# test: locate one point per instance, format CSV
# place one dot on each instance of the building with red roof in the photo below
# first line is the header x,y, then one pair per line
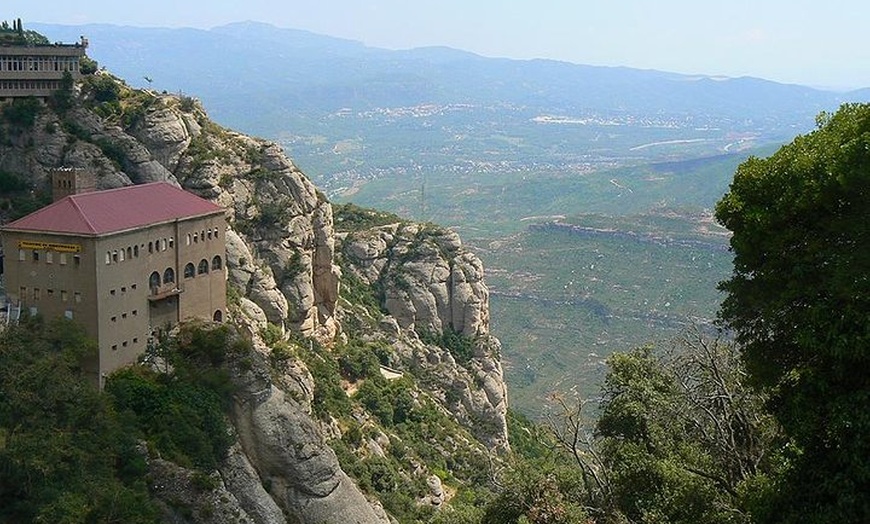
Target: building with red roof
x,y
122,262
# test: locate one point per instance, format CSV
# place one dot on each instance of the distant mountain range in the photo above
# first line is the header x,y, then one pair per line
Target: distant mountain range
x,y
296,75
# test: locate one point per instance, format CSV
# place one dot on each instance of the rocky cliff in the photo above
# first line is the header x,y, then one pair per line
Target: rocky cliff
x,y
416,305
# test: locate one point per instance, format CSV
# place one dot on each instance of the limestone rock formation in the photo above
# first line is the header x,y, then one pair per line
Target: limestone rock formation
x,y
432,287
283,275
288,453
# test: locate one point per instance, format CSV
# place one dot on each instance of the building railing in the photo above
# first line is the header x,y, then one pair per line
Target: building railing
x,y
165,291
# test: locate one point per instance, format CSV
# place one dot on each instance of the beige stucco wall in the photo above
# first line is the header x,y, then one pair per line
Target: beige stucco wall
x,y
108,290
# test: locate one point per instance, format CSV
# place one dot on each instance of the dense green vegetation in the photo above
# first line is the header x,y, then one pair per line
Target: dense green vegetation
x,y
66,453
71,454
798,302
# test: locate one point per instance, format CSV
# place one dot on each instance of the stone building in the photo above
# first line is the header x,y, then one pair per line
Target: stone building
x,y
37,70
122,262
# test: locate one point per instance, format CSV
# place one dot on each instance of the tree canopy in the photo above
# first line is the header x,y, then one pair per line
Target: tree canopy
x,y
798,302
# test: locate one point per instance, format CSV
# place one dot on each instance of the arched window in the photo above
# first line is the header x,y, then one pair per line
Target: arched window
x,y
203,267
168,276
150,247
154,280
189,270
136,251
216,263
218,316
129,252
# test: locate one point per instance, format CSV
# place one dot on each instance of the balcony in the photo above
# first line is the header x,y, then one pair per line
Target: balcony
x,y
164,291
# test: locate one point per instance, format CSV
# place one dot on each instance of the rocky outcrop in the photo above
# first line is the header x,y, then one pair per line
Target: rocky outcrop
x,y
432,287
281,252
428,281
289,455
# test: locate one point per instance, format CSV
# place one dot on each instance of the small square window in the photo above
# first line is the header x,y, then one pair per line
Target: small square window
x,y
114,319
50,292
124,343
132,286
111,291
123,289
123,315
114,347
135,340
135,312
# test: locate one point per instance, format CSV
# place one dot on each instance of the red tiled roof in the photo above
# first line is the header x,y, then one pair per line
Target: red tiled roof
x,y
113,210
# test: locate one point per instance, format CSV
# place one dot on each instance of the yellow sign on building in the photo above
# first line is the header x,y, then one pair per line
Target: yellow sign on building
x,y
50,246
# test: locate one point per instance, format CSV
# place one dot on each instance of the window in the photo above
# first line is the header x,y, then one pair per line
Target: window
x,y
62,259
216,263
114,347
150,247
189,270
163,245
22,255
50,293
218,316
129,252
136,251
77,260
123,289
135,312
124,343
111,291
108,257
115,256
22,293
63,296
114,319
77,296
187,239
154,280
49,257
36,293
123,315
168,276
135,340
195,238
203,267
68,314
208,235
133,286
35,256
171,242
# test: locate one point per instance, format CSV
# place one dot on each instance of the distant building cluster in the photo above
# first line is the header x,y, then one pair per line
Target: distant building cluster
x,y
37,69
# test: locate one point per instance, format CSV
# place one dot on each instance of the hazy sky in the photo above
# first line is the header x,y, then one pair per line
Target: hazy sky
x,y
813,42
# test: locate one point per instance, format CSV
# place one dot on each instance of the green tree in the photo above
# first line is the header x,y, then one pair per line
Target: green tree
x,y
798,300
682,438
65,456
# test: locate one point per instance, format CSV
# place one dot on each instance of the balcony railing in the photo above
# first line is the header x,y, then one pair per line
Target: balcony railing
x,y
164,291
